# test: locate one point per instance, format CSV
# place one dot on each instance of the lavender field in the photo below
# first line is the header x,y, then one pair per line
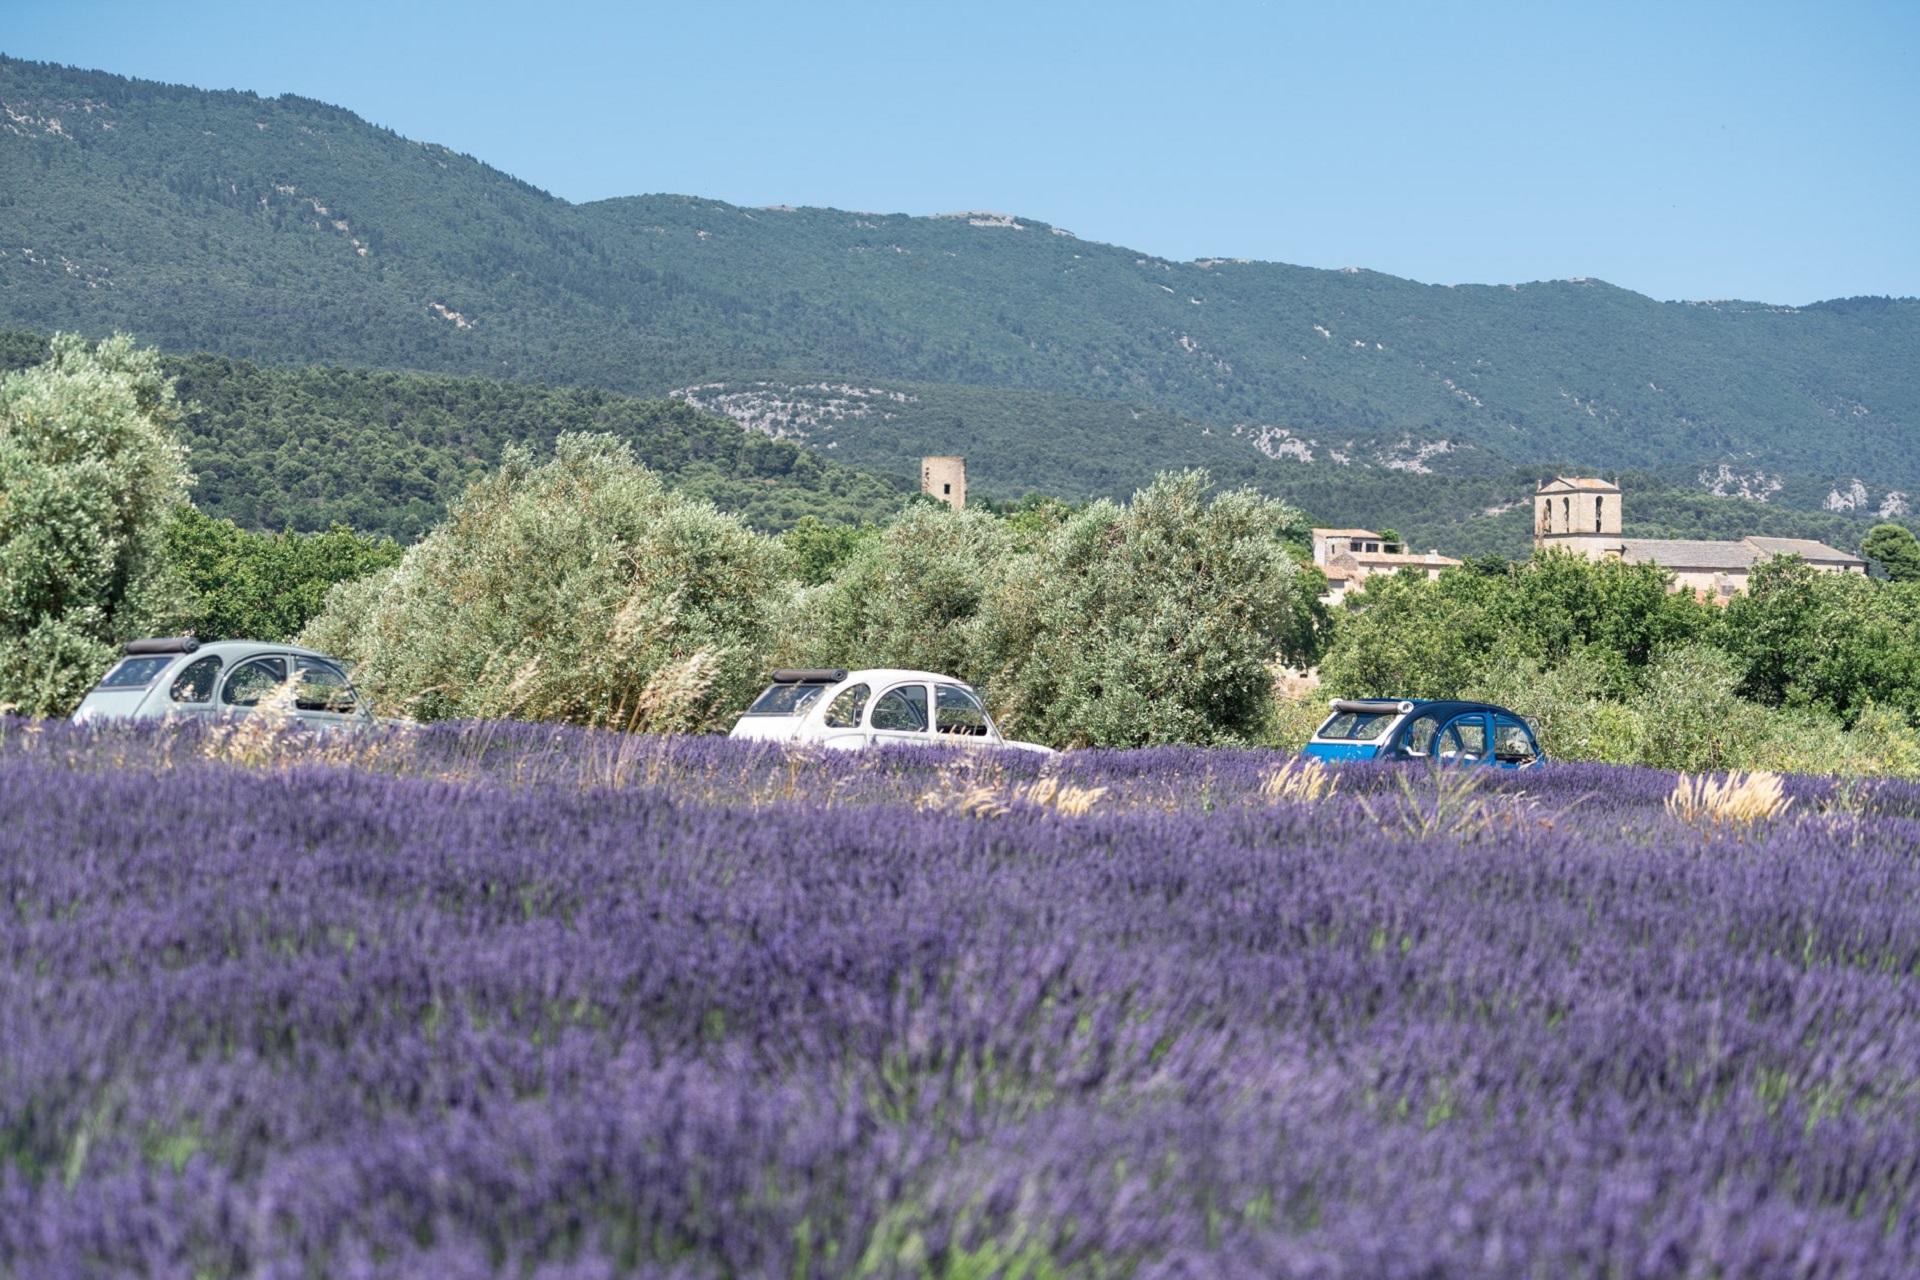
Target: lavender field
x,y
509,1001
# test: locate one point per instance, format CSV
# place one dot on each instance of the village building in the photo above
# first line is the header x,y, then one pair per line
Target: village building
x,y
1348,557
1582,515
945,478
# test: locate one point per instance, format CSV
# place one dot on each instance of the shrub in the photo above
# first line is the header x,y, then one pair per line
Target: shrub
x,y
263,586
911,596
1568,704
89,471
1156,622
579,590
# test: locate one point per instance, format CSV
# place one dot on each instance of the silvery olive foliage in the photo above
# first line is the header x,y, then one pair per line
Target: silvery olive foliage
x,y
580,589
90,471
1158,621
916,595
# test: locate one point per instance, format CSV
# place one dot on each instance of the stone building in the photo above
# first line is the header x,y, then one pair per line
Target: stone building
x,y
1350,556
946,479
1582,515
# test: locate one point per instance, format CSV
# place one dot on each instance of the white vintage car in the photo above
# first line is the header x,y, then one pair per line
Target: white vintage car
x,y
878,707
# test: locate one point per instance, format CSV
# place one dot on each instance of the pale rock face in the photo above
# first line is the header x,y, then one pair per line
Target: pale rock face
x,y
1723,481
792,411
1893,506
1277,442
1852,498
1413,457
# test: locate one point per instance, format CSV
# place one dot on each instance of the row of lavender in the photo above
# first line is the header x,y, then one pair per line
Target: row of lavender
x,y
457,1008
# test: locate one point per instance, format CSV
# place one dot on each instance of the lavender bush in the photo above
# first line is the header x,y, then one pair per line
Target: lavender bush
x,y
511,1000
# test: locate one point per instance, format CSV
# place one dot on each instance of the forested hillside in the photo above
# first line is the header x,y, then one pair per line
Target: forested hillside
x,y
291,232
386,451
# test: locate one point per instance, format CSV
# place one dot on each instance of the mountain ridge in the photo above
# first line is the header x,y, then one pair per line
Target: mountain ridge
x,y
290,231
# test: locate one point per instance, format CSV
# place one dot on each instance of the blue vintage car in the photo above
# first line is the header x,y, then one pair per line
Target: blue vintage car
x,y
1411,729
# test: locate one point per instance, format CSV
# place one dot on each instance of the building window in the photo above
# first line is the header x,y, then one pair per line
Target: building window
x,y
1547,510
1598,503
1566,513
946,489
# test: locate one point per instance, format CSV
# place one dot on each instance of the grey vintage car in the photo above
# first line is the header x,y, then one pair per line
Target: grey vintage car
x,y
179,676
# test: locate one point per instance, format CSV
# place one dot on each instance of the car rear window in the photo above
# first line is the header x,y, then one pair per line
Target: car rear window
x,y
786,699
135,673
1357,726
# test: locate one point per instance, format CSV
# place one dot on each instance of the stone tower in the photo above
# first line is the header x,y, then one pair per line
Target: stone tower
x,y
946,479
1578,514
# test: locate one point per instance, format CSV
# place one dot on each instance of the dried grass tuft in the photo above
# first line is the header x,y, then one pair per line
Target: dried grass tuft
x,y
1737,800
966,796
1302,780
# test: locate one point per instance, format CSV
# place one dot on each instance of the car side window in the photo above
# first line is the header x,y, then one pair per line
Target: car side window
x,y
322,687
1512,744
902,708
958,712
1417,740
254,680
1464,738
195,682
844,711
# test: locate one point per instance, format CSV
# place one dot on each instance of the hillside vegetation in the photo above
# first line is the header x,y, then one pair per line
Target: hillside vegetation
x,y
385,452
288,231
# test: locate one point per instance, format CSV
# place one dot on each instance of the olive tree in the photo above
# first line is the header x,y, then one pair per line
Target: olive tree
x,y
1158,621
90,471
580,589
911,596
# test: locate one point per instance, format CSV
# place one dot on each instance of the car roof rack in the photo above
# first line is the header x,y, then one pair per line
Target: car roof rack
x,y
1402,705
161,644
809,675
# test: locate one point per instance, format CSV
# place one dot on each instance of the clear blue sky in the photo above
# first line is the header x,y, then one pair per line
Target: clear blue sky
x,y
1754,150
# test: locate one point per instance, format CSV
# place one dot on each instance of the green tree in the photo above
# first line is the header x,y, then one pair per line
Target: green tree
x,y
1410,637
911,597
1831,641
1894,548
1405,637
579,590
1160,621
263,586
820,549
89,472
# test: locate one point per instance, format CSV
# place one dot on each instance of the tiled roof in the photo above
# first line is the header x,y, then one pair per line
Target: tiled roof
x,y
1579,482
1689,553
1805,548
1345,533
1395,560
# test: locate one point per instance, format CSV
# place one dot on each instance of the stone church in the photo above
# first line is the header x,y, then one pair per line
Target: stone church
x,y
1582,515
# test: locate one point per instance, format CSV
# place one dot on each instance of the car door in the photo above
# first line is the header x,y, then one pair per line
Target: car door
x,y
842,721
1513,744
323,696
899,716
190,692
959,719
1463,740
250,682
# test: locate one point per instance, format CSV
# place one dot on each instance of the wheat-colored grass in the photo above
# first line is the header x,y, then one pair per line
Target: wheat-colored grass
x,y
968,796
1737,800
1301,779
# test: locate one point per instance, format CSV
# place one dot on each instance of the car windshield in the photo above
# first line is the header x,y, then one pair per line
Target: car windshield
x,y
786,699
135,673
1357,726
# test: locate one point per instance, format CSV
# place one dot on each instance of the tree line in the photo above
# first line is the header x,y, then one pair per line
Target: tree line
x,y
584,586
